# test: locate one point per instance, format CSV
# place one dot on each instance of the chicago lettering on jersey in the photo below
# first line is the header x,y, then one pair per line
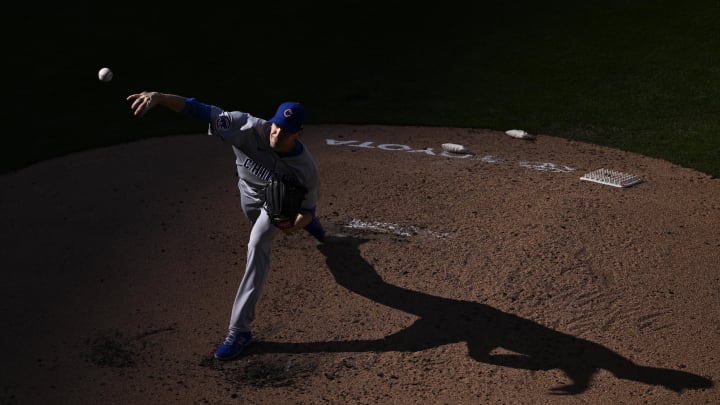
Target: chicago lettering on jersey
x,y
257,169
264,173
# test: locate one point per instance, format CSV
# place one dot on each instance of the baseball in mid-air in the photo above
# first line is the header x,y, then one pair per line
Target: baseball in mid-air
x,y
105,74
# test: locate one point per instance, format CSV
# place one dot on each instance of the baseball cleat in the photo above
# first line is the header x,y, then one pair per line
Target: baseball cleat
x,y
316,229
233,345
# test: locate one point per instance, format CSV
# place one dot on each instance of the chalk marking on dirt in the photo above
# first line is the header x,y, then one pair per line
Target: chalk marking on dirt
x,y
390,228
394,147
546,167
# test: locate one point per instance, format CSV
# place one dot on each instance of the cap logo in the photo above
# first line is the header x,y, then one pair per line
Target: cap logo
x,y
288,113
223,121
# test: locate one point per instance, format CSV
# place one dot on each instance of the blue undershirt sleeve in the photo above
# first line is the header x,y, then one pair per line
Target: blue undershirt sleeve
x,y
196,109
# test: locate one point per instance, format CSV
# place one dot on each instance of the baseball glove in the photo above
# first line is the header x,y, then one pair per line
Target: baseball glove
x,y
282,202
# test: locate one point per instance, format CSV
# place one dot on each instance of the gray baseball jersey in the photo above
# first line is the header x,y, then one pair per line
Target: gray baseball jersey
x,y
256,162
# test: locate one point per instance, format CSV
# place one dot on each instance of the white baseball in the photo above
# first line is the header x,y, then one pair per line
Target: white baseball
x,y
105,74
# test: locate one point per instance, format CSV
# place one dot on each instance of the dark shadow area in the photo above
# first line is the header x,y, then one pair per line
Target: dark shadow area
x,y
484,328
458,64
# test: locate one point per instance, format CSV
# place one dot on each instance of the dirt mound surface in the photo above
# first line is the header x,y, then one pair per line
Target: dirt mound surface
x,y
495,275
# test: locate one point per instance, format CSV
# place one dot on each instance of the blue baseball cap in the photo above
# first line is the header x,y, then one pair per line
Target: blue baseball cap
x,y
290,116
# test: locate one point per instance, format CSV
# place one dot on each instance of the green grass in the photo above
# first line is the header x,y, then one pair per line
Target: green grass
x,y
642,76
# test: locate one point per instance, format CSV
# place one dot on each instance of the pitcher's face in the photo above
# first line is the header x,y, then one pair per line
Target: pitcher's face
x,y
281,140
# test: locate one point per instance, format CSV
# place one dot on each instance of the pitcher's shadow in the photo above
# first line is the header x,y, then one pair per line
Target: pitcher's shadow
x,y
444,321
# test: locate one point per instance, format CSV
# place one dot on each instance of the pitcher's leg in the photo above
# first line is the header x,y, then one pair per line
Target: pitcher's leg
x,y
239,335
256,271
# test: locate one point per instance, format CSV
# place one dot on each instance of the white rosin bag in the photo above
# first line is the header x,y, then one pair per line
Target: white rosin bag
x,y
454,148
519,134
